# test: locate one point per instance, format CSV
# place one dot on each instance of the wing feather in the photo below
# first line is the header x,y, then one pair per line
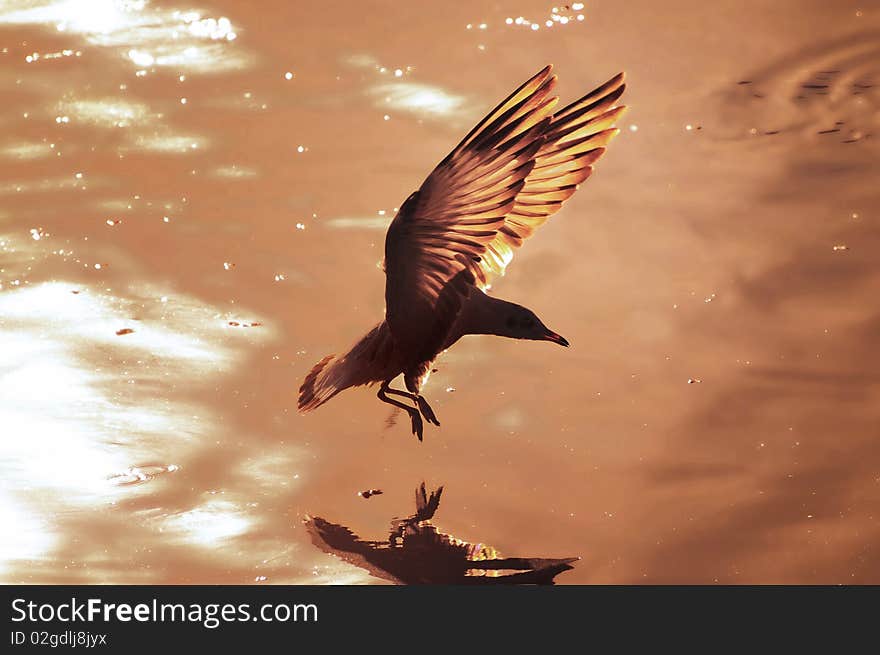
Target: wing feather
x,y
435,245
497,186
574,141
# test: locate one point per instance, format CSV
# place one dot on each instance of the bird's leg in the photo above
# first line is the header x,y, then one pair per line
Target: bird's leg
x,y
417,425
426,410
399,392
424,407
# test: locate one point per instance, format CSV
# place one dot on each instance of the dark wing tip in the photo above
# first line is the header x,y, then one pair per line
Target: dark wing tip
x,y
535,80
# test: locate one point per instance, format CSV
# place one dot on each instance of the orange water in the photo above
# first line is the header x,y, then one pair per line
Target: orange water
x,y
730,237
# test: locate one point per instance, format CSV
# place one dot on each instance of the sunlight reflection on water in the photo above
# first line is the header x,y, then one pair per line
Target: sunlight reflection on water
x,y
144,35
395,91
26,150
417,98
106,112
74,421
210,523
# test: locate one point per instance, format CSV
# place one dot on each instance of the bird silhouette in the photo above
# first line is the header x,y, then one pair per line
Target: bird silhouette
x,y
459,231
416,552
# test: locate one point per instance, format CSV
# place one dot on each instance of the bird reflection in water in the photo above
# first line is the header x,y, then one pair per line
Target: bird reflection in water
x,y
417,553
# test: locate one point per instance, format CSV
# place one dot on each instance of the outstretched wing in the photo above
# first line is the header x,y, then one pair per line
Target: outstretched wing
x,y
574,140
435,245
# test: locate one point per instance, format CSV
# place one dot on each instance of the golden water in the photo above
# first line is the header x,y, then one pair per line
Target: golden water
x,y
217,180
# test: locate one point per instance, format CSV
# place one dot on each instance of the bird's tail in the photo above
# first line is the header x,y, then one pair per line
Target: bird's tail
x,y
322,383
360,365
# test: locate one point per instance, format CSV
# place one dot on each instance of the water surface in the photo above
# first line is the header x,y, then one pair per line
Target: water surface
x,y
192,211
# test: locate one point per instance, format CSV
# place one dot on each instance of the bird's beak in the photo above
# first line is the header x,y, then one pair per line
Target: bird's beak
x,y
556,338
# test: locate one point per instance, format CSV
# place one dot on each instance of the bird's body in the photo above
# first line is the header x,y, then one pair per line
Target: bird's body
x,y
460,229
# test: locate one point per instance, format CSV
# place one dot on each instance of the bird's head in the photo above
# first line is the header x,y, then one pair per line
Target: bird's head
x,y
522,323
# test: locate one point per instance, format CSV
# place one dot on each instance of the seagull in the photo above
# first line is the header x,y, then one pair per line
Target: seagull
x,y
459,231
